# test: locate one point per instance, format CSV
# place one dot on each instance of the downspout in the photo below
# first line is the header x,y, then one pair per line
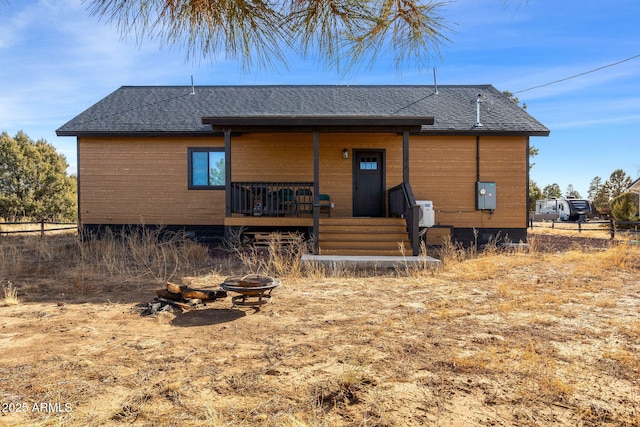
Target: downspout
x,y
78,185
405,156
477,158
527,184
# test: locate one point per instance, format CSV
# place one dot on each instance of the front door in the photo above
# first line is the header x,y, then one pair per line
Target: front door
x,y
368,183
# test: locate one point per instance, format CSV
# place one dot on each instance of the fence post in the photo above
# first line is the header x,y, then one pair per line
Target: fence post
x,y
579,227
612,229
553,224
42,228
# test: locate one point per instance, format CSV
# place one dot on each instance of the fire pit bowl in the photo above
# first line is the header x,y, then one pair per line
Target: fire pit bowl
x,y
255,290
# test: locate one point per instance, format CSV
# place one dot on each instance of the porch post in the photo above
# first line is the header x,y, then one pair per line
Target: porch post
x,y
405,156
316,187
413,213
227,171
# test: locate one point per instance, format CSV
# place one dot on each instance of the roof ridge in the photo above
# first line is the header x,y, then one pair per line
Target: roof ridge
x,y
479,85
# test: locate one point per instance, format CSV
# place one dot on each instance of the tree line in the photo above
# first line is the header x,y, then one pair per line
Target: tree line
x,y
34,184
608,198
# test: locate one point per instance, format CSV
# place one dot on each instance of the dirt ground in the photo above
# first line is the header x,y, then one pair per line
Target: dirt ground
x,y
547,337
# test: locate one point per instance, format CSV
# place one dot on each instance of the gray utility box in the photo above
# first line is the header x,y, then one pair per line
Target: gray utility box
x,y
485,195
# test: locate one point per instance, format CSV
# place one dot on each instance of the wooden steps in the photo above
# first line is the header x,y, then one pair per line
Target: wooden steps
x,y
364,237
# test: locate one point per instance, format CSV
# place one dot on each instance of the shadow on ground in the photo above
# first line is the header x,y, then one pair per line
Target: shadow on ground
x,y
207,317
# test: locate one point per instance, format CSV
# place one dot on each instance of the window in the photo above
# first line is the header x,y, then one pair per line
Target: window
x,y
206,168
368,163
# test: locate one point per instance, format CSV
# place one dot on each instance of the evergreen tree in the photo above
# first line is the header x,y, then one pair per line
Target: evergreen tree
x,y
552,191
624,208
343,32
535,193
572,192
619,181
601,200
594,187
33,181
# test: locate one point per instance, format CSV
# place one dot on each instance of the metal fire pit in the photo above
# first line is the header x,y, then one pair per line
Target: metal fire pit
x,y
254,290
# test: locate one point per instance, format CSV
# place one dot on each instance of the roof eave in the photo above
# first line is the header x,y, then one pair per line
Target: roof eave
x,y
634,186
147,133
238,129
480,131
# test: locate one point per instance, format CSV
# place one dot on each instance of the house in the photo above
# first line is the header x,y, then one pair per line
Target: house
x,y
634,187
356,167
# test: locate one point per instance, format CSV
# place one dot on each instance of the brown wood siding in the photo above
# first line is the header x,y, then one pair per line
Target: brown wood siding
x,y
336,173
144,181
444,170
289,157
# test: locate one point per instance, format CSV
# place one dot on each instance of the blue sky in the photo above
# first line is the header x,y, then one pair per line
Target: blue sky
x,y
56,60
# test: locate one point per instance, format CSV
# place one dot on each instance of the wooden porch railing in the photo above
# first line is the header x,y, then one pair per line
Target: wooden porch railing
x,y
402,203
272,198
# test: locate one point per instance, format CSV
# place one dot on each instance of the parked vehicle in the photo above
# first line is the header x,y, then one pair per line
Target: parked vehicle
x,y
568,209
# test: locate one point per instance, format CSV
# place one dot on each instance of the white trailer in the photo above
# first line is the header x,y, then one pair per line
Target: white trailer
x,y
568,209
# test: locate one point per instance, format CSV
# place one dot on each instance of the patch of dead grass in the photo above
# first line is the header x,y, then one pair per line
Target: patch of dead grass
x,y
497,337
10,294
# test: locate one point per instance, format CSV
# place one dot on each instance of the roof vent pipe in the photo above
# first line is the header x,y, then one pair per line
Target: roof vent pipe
x,y
478,101
193,88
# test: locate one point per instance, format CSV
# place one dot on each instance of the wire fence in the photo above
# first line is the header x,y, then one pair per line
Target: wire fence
x,y
41,227
612,226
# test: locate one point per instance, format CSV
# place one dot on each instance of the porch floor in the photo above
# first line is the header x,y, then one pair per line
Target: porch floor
x,y
373,261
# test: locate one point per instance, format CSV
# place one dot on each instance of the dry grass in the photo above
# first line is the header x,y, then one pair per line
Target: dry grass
x,y
520,337
10,294
34,229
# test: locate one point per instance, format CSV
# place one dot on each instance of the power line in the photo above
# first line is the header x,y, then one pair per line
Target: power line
x,y
578,75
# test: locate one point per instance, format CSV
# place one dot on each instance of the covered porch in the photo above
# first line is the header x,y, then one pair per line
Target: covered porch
x,y
261,208
300,204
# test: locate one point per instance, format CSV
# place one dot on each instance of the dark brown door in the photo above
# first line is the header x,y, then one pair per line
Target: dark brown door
x,y
368,183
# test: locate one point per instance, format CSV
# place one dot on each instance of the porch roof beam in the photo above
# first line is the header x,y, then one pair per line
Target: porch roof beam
x,y
395,124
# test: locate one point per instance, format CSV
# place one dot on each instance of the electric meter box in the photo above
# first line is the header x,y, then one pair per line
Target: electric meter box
x,y
485,195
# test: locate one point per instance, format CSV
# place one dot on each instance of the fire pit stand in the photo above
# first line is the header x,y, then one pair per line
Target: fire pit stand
x,y
254,290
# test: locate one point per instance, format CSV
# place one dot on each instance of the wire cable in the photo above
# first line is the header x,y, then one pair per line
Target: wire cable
x,y
578,75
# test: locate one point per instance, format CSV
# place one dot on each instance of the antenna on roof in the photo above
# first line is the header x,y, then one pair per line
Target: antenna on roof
x,y
435,80
193,88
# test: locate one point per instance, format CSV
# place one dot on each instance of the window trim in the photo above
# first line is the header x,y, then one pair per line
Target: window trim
x,y
190,151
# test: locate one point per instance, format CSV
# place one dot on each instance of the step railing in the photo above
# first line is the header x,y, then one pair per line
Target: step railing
x,y
403,204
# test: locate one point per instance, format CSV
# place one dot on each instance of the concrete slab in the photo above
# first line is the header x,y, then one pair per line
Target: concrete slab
x,y
372,261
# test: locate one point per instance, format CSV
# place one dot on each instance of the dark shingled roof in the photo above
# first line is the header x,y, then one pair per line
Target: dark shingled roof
x,y
143,110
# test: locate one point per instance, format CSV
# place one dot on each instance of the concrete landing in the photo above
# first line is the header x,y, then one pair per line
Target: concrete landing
x,y
372,261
